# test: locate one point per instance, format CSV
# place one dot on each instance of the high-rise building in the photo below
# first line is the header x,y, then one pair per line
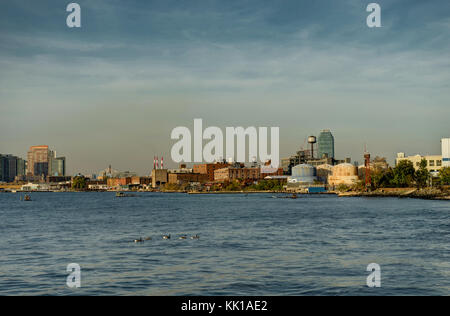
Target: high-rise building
x,y
326,144
21,167
43,162
2,168
58,166
39,161
445,152
10,167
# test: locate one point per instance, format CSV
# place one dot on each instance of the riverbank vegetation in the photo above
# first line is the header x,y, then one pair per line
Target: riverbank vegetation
x,y
232,186
405,176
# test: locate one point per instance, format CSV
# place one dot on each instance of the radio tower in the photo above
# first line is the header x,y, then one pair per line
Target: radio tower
x,y
367,167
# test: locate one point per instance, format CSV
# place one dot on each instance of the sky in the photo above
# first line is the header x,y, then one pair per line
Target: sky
x,y
111,91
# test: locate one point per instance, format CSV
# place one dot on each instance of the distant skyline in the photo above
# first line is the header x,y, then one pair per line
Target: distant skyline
x,y
112,91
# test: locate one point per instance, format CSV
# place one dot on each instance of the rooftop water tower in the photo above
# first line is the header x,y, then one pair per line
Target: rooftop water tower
x,y
312,140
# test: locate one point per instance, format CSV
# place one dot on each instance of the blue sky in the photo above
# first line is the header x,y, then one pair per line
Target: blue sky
x,y
111,92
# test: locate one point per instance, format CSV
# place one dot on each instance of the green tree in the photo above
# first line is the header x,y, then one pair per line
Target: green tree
x,y
266,185
404,174
383,178
422,175
233,186
79,183
444,175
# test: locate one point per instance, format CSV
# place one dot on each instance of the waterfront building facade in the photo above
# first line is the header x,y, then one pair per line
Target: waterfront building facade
x,y
229,174
183,178
159,177
434,162
209,168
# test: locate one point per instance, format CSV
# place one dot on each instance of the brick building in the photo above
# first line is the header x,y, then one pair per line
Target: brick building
x,y
114,182
181,178
209,169
232,173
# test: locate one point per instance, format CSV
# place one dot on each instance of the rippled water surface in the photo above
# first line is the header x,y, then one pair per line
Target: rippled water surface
x,y
249,245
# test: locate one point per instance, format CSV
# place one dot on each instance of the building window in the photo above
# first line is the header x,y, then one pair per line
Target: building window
x,y
431,163
439,163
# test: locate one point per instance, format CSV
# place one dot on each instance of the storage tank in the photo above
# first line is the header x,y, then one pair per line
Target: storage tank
x,y
345,170
303,173
323,172
344,173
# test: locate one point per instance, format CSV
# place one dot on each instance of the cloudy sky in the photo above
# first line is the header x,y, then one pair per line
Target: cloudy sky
x,y
111,91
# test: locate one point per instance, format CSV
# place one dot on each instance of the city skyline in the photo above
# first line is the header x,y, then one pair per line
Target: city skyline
x,y
60,162
111,91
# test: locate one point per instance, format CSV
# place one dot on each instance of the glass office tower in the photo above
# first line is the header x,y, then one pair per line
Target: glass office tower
x,y
326,144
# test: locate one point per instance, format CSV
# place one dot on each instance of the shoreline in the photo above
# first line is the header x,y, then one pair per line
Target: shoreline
x,y
395,193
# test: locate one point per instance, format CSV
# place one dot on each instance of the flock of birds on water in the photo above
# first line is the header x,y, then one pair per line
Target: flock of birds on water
x,y
166,237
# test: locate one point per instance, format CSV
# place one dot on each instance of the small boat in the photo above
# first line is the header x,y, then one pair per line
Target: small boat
x,y
293,196
195,237
121,194
166,237
27,198
182,237
139,240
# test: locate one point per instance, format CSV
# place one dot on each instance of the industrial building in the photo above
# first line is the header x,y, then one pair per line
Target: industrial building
x,y
237,173
303,174
325,153
183,178
344,174
209,169
323,172
445,143
159,177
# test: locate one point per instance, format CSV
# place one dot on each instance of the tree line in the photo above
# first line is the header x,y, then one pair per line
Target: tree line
x,y
404,175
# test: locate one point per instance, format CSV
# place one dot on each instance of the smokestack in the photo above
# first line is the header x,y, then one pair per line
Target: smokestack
x,y
157,163
162,162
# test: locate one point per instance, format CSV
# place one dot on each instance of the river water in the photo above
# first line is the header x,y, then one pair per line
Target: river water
x,y
249,245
